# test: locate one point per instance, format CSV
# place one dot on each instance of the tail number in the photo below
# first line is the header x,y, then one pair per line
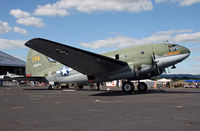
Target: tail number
x,y
35,58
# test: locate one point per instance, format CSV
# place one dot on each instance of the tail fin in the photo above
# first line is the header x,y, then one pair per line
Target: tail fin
x,y
36,63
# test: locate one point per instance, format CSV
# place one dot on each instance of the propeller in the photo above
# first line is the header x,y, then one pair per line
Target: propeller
x,y
154,62
165,71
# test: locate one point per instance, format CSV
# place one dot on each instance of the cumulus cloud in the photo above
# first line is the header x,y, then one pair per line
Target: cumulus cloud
x,y
170,32
31,21
64,7
122,41
26,18
159,1
174,36
187,2
50,10
117,41
188,38
10,44
180,2
4,27
19,13
20,30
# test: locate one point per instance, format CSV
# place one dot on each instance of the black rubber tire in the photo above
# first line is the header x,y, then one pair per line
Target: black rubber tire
x,y
80,86
128,87
142,87
50,87
67,87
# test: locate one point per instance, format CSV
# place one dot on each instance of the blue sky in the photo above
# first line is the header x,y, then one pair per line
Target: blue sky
x,y
102,25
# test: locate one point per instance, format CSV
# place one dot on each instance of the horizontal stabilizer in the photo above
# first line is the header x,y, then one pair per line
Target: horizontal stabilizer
x,y
39,79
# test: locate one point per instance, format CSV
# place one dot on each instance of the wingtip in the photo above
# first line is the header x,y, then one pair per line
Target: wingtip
x,y
30,42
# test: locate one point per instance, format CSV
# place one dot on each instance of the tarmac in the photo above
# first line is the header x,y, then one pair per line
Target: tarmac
x,y
39,109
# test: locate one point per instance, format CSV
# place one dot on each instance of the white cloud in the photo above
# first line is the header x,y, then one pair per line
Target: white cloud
x,y
10,44
25,18
19,13
4,27
50,10
180,2
20,30
159,1
187,2
173,36
117,41
64,7
122,41
174,31
188,38
31,21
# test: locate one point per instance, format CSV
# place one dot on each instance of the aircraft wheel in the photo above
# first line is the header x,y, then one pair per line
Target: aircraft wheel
x,y
142,87
50,87
65,87
80,86
128,87
98,86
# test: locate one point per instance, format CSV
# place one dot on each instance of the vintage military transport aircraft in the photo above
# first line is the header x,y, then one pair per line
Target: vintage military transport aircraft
x,y
77,66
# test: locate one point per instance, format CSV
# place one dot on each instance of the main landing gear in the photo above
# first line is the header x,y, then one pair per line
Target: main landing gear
x,y
58,86
128,87
80,86
142,87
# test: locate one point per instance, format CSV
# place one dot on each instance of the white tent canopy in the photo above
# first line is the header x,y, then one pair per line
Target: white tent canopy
x,y
164,80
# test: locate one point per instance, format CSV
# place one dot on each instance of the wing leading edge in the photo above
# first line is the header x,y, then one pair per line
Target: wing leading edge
x,y
83,61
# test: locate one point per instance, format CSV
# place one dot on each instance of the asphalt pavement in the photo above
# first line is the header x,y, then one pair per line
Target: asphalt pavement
x,y
39,109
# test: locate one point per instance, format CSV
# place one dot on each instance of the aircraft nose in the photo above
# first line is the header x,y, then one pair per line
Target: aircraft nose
x,y
185,50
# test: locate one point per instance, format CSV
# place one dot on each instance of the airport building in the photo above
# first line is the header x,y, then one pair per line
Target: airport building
x,y
10,64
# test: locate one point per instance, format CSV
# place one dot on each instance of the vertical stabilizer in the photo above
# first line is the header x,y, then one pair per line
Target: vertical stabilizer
x,y
36,63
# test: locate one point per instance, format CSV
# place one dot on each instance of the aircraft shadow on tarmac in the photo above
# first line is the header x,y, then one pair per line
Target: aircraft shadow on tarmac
x,y
120,93
39,89
150,91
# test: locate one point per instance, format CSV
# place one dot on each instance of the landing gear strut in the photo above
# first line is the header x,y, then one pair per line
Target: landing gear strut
x,y
127,87
50,87
98,86
65,86
80,86
142,87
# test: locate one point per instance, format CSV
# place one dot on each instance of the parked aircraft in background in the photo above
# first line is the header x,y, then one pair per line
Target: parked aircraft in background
x,y
9,76
79,66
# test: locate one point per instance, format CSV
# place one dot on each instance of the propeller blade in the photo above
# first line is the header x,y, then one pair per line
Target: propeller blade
x,y
154,62
165,71
153,56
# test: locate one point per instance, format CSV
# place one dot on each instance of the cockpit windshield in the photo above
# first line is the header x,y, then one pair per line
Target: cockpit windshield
x,y
173,47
